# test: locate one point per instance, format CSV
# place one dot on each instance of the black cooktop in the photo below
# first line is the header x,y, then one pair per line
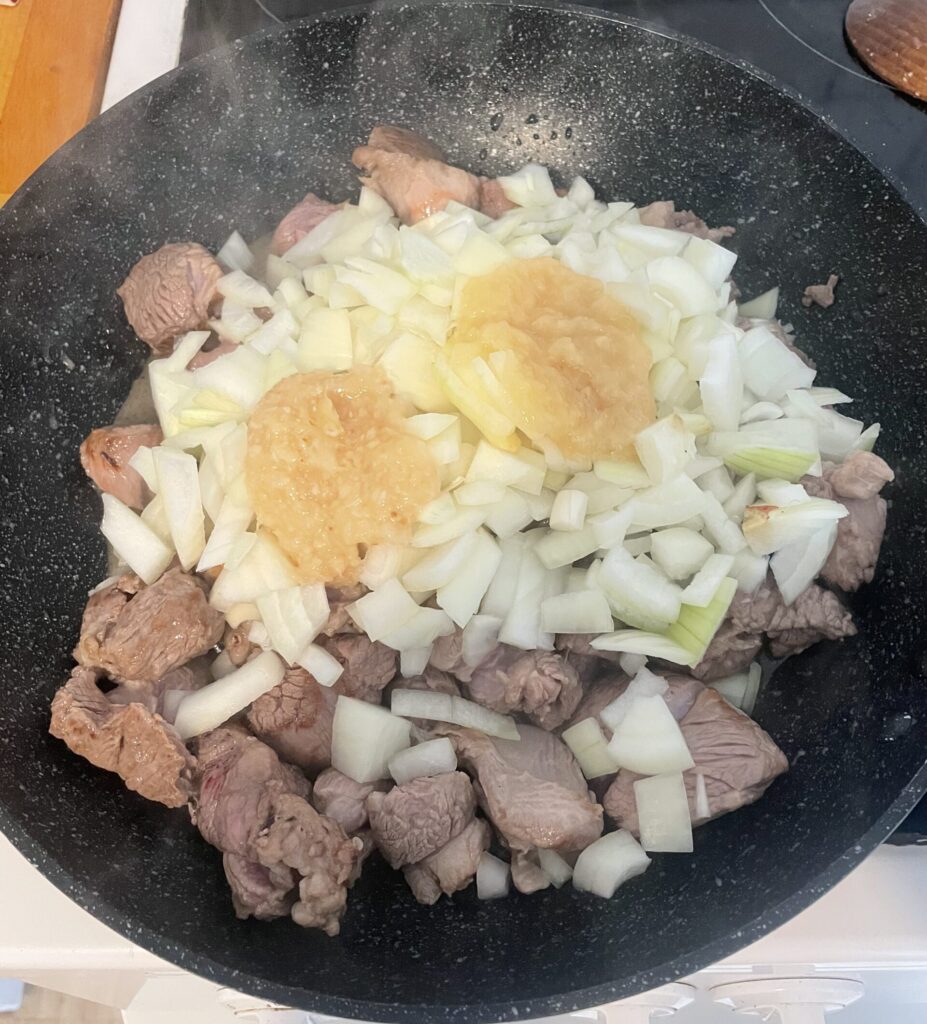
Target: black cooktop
x,y
800,43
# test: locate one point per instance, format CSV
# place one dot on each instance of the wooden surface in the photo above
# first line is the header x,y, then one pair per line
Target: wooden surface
x,y
890,37
53,60
40,1006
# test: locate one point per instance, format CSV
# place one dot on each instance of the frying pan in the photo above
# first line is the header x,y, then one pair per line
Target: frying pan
x,y
231,140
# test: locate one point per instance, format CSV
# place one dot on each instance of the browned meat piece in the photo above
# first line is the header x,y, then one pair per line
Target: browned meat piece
x,y
532,789
737,759
251,805
187,678
754,613
317,848
168,292
493,201
527,876
411,175
597,696
579,652
141,637
295,720
731,650
539,684
344,800
821,294
447,656
368,666
412,821
257,891
128,739
105,456
856,484
205,356
451,868
307,214
815,615
432,679
663,214
236,644
338,619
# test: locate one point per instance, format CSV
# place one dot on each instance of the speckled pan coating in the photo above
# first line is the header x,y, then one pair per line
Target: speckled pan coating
x,y
230,141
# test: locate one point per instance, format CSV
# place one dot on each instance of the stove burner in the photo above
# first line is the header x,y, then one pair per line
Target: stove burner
x,y
818,29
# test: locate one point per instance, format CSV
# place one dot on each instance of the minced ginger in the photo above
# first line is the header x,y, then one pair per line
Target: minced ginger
x,y
330,470
573,368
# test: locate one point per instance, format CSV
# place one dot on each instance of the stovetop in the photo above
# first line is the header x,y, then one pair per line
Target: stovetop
x,y
800,43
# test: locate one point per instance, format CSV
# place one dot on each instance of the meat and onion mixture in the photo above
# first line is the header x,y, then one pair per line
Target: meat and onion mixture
x,y
465,516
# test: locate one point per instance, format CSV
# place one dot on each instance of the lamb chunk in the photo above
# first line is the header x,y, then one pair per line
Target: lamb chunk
x,y
339,621
417,819
737,759
409,172
539,684
597,696
447,656
431,679
821,294
187,678
169,292
213,349
237,645
317,848
105,455
344,800
532,789
142,633
368,666
527,875
577,650
815,615
295,720
451,868
731,650
307,214
493,201
257,891
663,214
128,739
856,485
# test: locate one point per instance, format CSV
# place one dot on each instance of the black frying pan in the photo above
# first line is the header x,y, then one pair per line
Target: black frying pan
x,y
232,140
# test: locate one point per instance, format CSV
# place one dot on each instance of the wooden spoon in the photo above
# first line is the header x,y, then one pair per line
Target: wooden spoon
x,y
890,37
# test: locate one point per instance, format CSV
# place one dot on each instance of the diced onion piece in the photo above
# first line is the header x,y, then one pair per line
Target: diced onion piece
x,y
785,448
433,757
554,866
439,510
608,863
490,463
568,511
480,492
365,738
240,288
725,533
463,521
521,625
769,528
754,678
440,565
293,618
325,669
732,688
681,284
492,878
641,642
235,253
442,707
239,613
530,186
509,515
638,594
669,503
744,494
480,638
217,702
631,664
134,542
582,611
770,367
837,434
179,489
781,492
749,570
325,341
231,523
703,588
711,260
501,592
797,565
696,626
460,597
609,528
644,684
558,549
663,814
413,661
221,666
383,610
381,563
721,385
679,552
702,805
589,747
648,739
420,630
624,474
761,411
664,448
263,568
762,307
540,505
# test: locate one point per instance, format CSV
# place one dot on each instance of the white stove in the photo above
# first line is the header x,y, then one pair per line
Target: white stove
x,y
859,953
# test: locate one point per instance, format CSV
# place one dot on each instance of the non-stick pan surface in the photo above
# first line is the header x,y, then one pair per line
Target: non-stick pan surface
x,y
232,140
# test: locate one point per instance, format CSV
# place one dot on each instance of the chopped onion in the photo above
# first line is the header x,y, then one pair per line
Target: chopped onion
x,y
679,552
608,863
326,341
762,307
460,597
665,448
238,377
325,669
142,550
770,367
631,664
492,878
590,748
648,739
509,515
837,434
554,866
644,684
240,288
440,565
490,463
867,439
681,284
761,411
365,738
711,260
217,702
464,521
663,814
221,666
781,492
530,186
609,528
702,806
582,611
424,760
420,630
439,510
697,624
501,592
641,642
381,563
263,568
409,363
179,489
383,610
568,511
637,593
521,625
442,707
721,385
293,618
785,448
624,474
541,505
744,494
480,492
233,520
725,533
559,548
669,503
769,528
413,661
797,565
235,253
749,570
480,638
